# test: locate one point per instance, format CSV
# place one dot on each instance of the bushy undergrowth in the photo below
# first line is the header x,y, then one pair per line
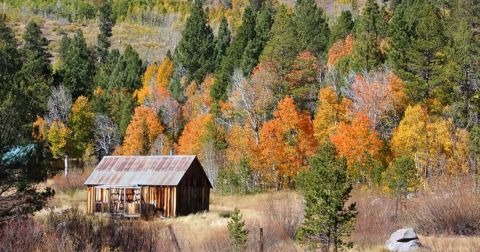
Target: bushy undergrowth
x,y
375,219
76,232
71,182
452,211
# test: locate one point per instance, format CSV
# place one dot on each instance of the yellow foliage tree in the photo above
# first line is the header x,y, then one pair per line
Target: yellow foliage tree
x,y
81,123
458,163
198,98
148,82
435,145
164,73
241,145
39,129
330,111
57,137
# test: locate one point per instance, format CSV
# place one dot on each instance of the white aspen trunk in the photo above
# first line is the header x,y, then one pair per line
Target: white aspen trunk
x,y
66,165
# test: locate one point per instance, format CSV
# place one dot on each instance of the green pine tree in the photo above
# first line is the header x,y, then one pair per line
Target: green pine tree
x,y
9,65
417,49
254,48
342,27
311,27
78,68
236,231
256,5
403,177
195,52
104,70
128,71
63,47
222,41
369,32
36,56
328,217
234,55
106,24
35,76
462,69
283,45
475,150
9,56
175,86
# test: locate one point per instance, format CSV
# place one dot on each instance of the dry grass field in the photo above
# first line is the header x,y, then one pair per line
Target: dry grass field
x,y
278,213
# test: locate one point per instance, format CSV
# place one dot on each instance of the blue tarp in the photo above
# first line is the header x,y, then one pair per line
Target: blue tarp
x,y
19,155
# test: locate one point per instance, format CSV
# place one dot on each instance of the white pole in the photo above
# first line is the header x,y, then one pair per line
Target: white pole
x,y
4,7
66,165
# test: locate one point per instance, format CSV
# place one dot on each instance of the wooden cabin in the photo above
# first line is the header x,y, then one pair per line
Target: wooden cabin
x,y
134,186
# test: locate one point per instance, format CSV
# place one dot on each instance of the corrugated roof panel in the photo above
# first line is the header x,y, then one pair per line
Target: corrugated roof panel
x,y
140,170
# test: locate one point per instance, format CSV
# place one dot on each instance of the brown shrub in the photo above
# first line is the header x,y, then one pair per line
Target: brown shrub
x,y
82,232
286,210
21,234
375,220
73,181
452,211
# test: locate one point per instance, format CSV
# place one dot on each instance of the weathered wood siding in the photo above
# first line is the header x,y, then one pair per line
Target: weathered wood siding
x,y
193,191
190,196
161,198
90,201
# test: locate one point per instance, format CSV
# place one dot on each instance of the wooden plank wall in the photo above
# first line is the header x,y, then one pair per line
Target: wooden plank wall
x,y
90,201
193,191
163,198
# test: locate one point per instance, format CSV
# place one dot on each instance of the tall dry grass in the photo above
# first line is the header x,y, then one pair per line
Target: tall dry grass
x,y
449,207
376,218
446,210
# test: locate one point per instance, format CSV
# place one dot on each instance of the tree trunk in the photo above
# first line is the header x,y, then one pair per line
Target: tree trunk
x,y
66,165
475,181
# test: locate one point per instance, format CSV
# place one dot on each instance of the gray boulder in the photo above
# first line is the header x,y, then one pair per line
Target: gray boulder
x,y
402,240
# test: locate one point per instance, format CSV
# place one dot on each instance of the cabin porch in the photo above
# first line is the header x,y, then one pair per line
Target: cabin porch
x,y
132,201
117,200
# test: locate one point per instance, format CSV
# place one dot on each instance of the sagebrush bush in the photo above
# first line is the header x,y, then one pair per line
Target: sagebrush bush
x,y
286,211
447,213
72,181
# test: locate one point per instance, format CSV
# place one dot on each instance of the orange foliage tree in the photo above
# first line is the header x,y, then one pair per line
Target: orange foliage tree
x,y
340,49
143,130
331,110
194,135
359,145
285,143
155,83
198,98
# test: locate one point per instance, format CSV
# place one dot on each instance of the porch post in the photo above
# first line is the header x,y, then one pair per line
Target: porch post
x,y
94,199
124,200
141,200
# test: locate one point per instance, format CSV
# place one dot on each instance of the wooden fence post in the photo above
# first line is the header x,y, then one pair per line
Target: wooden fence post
x,y
260,242
173,238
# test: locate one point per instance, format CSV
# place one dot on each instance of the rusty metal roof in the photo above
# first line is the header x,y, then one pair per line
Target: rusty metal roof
x,y
140,170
